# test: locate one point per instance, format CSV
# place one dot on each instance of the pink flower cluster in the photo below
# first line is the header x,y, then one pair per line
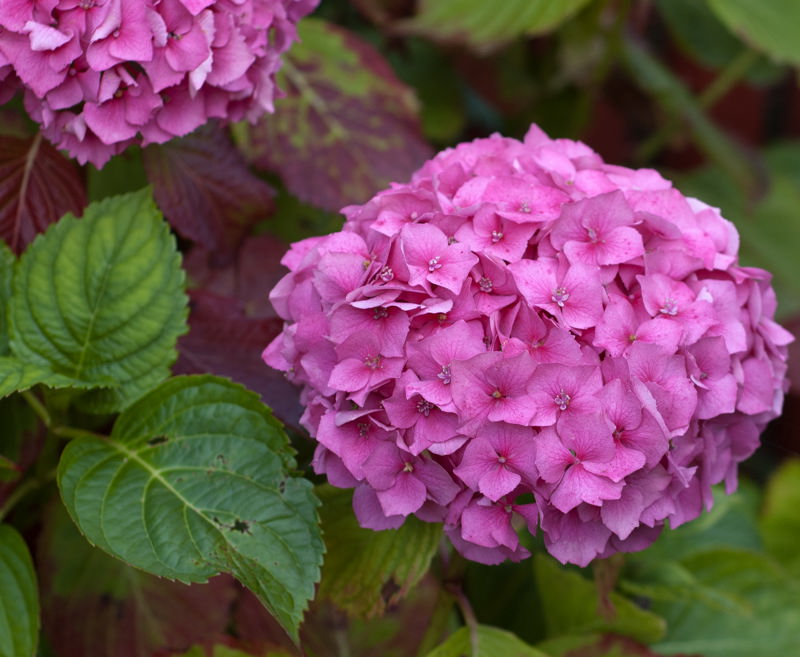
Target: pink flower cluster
x,y
100,75
524,335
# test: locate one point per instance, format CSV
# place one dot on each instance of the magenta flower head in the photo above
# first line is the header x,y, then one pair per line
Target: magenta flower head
x,y
99,75
525,336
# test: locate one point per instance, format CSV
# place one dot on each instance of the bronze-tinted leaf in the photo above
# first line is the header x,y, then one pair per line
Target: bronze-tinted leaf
x,y
37,186
347,126
204,188
222,340
95,605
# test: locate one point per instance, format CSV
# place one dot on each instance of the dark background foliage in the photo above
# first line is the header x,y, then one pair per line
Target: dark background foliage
x,y
705,91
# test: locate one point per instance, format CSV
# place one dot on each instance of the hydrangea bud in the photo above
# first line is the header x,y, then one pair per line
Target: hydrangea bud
x,y
526,336
100,75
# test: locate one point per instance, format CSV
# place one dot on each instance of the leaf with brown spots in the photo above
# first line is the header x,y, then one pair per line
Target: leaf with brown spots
x,y
347,126
38,186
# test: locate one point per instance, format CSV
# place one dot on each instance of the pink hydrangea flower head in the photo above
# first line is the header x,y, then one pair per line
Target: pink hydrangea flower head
x,y
524,338
100,75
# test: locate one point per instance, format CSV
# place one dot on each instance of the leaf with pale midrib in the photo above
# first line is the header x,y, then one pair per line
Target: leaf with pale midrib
x,y
193,481
19,600
100,300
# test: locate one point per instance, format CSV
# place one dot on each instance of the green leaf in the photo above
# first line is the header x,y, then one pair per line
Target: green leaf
x,y
772,27
6,273
93,604
347,126
491,642
765,623
366,570
193,481
16,376
100,300
570,606
485,25
19,600
780,521
699,32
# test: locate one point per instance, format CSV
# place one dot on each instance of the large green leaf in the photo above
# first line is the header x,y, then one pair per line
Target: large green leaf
x,y
489,641
485,25
100,299
6,272
19,600
765,622
772,26
366,570
17,375
193,481
780,521
570,606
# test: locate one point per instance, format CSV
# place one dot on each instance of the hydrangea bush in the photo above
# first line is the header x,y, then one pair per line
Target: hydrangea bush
x,y
525,335
100,75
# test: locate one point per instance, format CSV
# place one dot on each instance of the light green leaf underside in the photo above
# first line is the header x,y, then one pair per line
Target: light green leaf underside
x,y
359,563
6,272
19,600
772,27
193,481
572,607
491,642
484,25
763,620
100,299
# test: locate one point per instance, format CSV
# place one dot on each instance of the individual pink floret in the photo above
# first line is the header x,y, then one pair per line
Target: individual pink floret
x,y
524,338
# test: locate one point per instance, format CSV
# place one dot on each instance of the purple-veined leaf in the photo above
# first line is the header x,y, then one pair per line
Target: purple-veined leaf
x,y
204,188
37,186
224,341
347,125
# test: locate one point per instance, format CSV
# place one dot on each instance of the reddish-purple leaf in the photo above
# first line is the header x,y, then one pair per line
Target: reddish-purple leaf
x,y
248,278
224,341
94,605
347,125
37,186
203,186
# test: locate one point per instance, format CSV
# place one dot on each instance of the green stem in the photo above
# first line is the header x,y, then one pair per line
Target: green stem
x,y
728,77
38,407
720,86
438,623
34,483
468,614
75,432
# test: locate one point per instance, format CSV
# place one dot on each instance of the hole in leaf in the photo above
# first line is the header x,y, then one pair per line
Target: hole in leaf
x,y
389,591
241,526
157,440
